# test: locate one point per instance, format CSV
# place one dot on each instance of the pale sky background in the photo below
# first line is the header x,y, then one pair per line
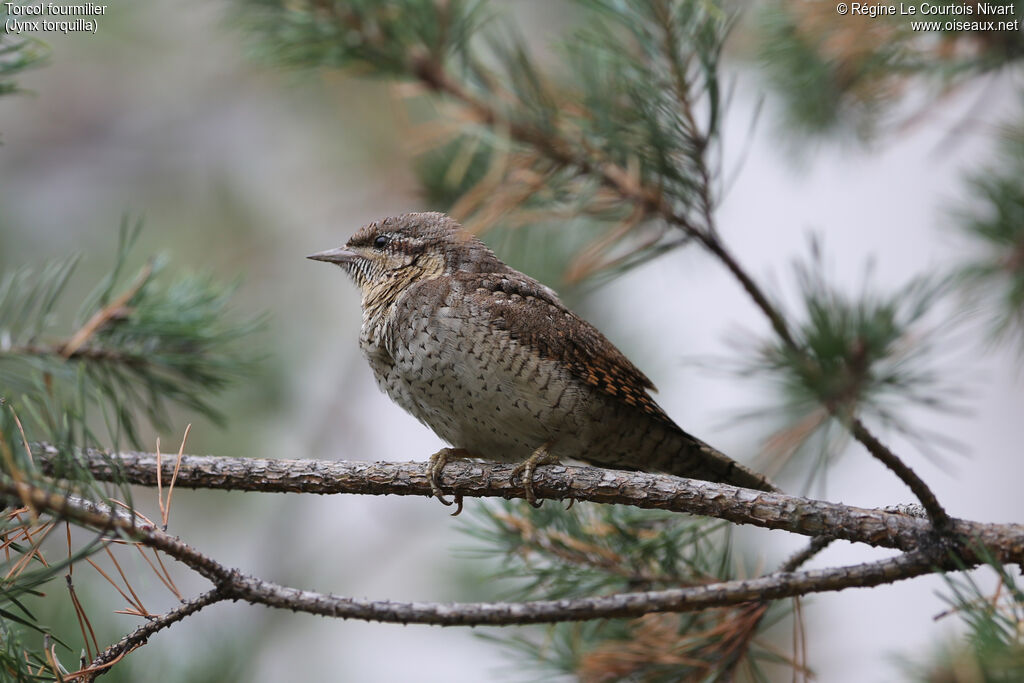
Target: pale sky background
x,y
243,170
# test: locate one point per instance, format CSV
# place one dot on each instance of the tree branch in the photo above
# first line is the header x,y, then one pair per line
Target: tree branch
x,y
234,585
555,482
101,664
940,518
628,605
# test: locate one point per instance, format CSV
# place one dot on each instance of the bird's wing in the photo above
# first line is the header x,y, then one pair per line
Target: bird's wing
x,y
533,315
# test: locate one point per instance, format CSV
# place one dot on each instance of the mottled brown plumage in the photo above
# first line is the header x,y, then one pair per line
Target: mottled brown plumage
x,y
497,366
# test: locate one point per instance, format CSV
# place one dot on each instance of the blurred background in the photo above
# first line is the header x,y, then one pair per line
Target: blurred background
x,y
241,169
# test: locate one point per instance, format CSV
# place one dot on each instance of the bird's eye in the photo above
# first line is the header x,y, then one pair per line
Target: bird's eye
x,y
381,242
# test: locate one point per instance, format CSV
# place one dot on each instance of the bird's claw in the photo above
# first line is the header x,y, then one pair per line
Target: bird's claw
x,y
541,456
434,468
458,505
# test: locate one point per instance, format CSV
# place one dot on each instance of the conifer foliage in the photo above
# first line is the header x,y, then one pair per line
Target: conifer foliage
x,y
611,146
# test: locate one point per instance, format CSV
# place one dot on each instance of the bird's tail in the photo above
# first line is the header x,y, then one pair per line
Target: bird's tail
x,y
697,460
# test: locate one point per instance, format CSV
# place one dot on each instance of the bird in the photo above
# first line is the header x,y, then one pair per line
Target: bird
x,y
498,367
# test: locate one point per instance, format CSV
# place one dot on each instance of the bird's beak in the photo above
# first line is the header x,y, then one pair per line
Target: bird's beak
x,y
341,255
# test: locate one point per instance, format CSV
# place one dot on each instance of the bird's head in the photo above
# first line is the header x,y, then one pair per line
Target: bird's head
x,y
391,254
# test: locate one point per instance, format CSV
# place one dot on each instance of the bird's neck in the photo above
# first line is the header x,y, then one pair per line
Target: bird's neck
x,y
378,304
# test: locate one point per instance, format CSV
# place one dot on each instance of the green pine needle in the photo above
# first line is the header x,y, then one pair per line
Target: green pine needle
x,y
138,347
993,223
992,650
18,53
551,553
868,355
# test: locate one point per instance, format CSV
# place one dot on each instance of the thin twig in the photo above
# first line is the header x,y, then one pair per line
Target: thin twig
x,y
817,544
689,599
90,673
940,518
140,636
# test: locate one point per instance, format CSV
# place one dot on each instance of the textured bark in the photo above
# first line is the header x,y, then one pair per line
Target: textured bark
x,y
690,599
141,635
234,585
559,482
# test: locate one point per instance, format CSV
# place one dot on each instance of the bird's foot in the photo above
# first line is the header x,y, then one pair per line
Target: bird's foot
x,y
434,468
541,456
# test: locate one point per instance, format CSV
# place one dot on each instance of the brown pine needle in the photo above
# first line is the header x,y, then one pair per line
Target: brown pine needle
x,y
138,514
105,314
71,566
998,593
8,456
21,564
800,669
109,580
159,480
164,580
89,670
174,477
24,439
83,620
174,587
37,552
11,537
51,658
128,585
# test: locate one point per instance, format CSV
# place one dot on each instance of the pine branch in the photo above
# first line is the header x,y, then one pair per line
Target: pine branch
x,y
553,145
797,559
18,53
694,598
991,275
837,75
936,512
234,585
114,309
140,636
758,612
135,349
804,516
